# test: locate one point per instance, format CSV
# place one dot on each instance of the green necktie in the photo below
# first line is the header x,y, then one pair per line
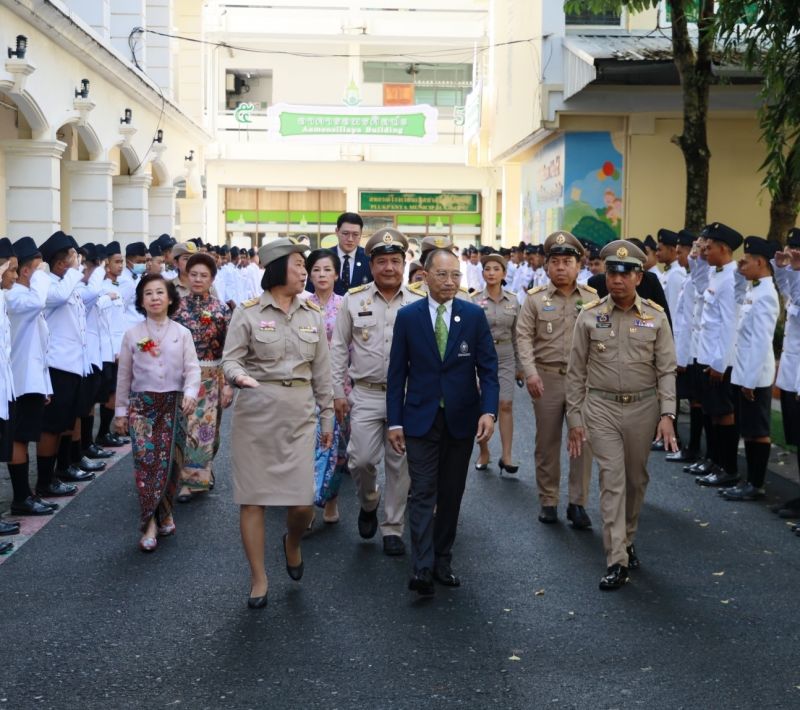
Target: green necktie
x,y
440,330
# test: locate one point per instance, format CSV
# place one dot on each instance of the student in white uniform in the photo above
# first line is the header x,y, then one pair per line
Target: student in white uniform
x,y
673,274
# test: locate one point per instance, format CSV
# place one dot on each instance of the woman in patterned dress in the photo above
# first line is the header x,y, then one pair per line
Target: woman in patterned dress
x,y
207,318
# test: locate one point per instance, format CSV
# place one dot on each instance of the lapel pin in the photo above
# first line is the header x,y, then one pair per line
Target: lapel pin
x,y
457,319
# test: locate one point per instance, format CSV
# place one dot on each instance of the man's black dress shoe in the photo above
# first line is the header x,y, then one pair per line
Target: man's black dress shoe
x,y
88,464
682,456
6,547
96,452
548,514
31,506
256,602
57,489
657,445
75,475
47,503
443,573
744,491
717,478
296,572
699,468
393,545
368,523
633,558
8,528
111,440
577,515
422,583
615,578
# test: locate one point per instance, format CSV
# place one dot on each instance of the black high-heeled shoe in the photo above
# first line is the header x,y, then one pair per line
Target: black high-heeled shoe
x,y
257,602
296,572
482,466
511,469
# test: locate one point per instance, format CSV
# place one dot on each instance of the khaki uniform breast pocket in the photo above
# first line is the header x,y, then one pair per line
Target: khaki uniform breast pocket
x,y
364,328
269,344
642,342
548,324
308,343
602,347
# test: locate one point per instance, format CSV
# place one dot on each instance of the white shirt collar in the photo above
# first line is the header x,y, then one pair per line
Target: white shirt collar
x,y
342,253
433,307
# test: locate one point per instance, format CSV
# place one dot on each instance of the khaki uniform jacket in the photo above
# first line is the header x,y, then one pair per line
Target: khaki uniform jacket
x,y
623,352
502,317
362,335
269,345
545,326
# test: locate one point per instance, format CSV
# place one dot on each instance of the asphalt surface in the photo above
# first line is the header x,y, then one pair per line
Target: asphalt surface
x,y
710,620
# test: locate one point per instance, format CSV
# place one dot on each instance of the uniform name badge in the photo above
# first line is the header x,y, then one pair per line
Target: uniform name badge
x,y
463,349
603,321
641,323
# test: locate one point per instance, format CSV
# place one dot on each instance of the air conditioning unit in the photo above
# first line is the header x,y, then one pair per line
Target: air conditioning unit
x,y
230,83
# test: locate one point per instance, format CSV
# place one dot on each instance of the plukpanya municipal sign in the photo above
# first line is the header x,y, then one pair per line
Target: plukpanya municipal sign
x,y
353,124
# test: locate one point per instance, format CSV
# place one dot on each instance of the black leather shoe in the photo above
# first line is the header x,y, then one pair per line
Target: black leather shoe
x,y
296,572
657,445
577,515
422,583
548,514
744,491
633,558
718,478
443,573
682,456
47,503
31,506
368,523
616,577
393,546
57,489
699,468
75,475
110,440
8,528
6,547
256,602
87,464
97,452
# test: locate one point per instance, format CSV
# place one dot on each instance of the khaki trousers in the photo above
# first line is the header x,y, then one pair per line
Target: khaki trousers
x,y
550,410
620,435
368,445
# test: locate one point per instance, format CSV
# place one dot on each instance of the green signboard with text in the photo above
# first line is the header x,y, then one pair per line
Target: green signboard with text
x,y
418,202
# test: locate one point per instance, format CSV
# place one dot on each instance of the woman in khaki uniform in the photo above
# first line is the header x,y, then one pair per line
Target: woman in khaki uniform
x,y
501,308
276,353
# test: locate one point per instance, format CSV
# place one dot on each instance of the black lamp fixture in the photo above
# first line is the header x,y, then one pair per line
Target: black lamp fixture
x,y
22,46
190,156
84,90
159,136
128,116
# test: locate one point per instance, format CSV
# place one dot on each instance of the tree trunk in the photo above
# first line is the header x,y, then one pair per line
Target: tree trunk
x,y
695,73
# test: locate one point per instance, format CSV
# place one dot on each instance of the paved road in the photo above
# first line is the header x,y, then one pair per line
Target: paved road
x,y
710,621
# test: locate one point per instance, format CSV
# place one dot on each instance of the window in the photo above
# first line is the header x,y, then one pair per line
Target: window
x,y
441,85
252,86
606,19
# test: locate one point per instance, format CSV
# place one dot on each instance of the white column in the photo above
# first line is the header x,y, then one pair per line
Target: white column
x,y
90,204
159,57
125,15
512,205
162,211
33,187
488,216
130,218
96,13
191,216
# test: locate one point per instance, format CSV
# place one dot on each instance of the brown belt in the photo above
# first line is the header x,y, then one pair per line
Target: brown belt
x,y
502,342
624,397
560,369
371,385
289,383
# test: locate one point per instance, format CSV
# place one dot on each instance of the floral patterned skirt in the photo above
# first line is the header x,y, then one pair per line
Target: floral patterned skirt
x,y
158,430
203,431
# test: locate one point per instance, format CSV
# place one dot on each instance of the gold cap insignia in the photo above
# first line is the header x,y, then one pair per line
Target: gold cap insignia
x,y
622,252
387,238
293,240
560,239
439,242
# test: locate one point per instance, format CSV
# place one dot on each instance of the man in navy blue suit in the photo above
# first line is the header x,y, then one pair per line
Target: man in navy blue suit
x,y
442,392
355,269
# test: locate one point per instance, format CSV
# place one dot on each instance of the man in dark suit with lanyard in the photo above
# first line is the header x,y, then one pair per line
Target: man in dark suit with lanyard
x,y
355,264
442,391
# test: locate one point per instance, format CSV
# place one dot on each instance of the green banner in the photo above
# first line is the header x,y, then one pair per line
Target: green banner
x,y
410,125
418,202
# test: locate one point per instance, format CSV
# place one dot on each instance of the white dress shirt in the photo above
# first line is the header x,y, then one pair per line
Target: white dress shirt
x,y
672,279
66,317
6,374
788,283
29,337
112,319
754,360
351,265
720,314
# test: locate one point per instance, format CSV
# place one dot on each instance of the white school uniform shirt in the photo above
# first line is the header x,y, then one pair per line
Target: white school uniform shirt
x,y
788,283
113,323
683,323
253,276
30,336
475,277
672,279
66,317
720,314
6,374
90,293
754,360
128,281
584,275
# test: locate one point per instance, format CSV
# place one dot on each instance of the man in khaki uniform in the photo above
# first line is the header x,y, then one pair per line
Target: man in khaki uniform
x,y
621,388
362,337
544,340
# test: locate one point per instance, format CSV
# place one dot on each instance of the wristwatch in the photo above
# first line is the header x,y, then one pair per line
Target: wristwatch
x,y
667,414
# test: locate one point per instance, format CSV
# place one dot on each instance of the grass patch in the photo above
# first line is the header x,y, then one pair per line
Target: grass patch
x,y
777,432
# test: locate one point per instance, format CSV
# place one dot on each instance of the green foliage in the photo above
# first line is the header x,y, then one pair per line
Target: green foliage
x,y
608,5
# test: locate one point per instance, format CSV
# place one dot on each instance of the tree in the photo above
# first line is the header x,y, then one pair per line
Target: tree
x,y
694,68
765,36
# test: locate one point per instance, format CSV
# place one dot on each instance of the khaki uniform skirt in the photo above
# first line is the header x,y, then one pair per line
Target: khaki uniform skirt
x,y
272,445
506,366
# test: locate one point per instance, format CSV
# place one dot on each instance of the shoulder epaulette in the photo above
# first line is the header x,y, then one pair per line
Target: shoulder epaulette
x,y
591,304
589,288
313,306
510,293
250,302
653,304
464,289
357,289
416,287
536,289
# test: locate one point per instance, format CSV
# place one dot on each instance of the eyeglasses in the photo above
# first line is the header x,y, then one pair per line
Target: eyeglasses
x,y
353,235
445,275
